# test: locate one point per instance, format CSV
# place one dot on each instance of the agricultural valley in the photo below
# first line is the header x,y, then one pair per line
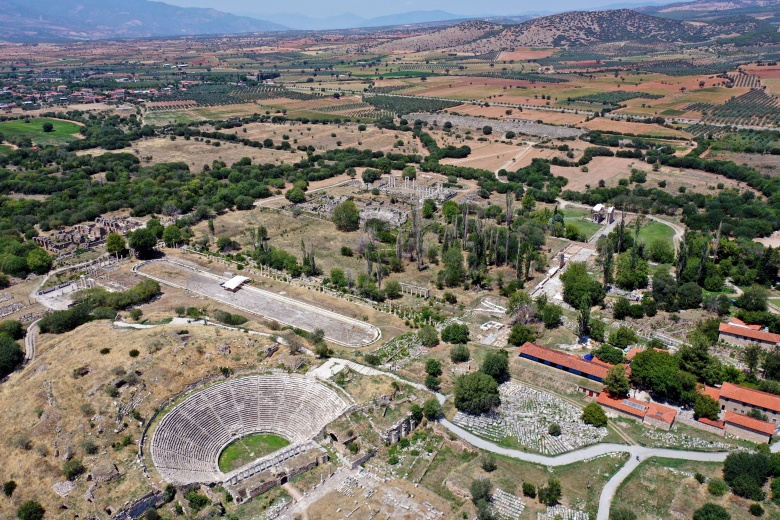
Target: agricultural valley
x,y
521,267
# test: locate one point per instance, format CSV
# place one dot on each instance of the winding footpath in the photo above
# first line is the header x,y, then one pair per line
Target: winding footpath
x,y
638,454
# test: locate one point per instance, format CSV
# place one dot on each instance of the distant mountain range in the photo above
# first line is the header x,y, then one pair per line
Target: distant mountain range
x,y
63,20
47,20
353,21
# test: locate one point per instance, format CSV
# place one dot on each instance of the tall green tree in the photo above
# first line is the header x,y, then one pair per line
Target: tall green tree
x,y
346,216
616,381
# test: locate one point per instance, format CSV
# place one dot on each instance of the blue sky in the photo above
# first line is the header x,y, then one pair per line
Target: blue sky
x,y
372,8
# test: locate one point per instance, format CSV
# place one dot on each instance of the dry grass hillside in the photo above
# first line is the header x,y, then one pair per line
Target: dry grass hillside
x,y
451,36
582,28
62,404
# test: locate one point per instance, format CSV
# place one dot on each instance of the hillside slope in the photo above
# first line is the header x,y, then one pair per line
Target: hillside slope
x,y
587,27
97,19
460,34
709,5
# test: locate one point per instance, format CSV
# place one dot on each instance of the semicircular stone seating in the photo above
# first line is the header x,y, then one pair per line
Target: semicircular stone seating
x,y
186,445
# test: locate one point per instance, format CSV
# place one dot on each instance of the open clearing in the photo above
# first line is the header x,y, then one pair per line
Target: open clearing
x,y
604,124
243,451
33,128
666,489
339,329
652,231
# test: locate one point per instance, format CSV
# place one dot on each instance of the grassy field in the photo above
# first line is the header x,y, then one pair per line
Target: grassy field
x,y
665,488
656,231
4,149
33,128
248,449
580,219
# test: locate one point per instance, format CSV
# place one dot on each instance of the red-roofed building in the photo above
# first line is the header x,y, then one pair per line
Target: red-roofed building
x,y
633,352
740,323
721,425
746,335
566,362
712,392
741,400
651,414
748,428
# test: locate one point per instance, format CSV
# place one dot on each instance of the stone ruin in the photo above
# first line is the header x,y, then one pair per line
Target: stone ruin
x,y
410,188
86,235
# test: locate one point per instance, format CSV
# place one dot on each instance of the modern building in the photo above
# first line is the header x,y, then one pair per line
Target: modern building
x,y
235,283
650,414
566,362
740,399
748,428
737,332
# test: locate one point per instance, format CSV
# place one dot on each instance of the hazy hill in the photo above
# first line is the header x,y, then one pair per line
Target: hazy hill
x,y
586,27
460,34
709,5
353,21
22,20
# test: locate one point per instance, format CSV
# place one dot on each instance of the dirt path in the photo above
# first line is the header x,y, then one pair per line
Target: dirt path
x,y
522,153
297,496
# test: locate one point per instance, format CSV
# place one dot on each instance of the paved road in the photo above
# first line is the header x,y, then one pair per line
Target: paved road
x,y
596,450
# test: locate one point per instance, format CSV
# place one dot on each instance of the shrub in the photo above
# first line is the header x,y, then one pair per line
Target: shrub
x,y
455,333
152,514
529,490
432,383
717,487
488,462
481,490
496,365
9,488
711,512
11,355
594,415
433,367
12,328
459,354
756,510
89,446
72,469
134,353
30,510
554,430
428,336
476,393
622,513
432,410
551,494
196,500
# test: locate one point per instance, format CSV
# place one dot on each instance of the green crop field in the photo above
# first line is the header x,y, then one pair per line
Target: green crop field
x,y
653,231
252,447
33,128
